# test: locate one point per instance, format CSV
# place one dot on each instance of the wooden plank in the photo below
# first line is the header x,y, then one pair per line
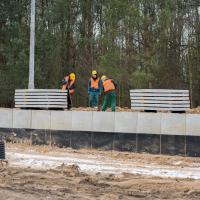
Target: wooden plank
x,y
39,90
159,102
40,103
160,105
157,95
41,97
160,109
161,98
159,91
40,106
45,94
41,100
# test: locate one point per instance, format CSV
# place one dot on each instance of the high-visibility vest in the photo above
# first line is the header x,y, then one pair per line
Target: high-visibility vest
x,y
108,85
94,83
69,84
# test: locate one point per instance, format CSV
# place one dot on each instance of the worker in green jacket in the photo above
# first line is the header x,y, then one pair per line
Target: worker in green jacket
x,y
109,88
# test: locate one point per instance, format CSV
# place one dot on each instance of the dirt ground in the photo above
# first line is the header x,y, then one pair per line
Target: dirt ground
x,y
71,182
125,109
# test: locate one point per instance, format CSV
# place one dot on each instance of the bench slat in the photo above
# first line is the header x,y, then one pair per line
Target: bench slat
x,y
40,103
157,95
160,102
45,94
160,105
158,91
161,98
39,90
160,109
41,100
41,106
41,97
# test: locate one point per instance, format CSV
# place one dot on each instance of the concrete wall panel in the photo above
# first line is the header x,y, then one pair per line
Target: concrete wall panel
x,y
6,118
82,121
40,119
103,121
173,124
22,118
61,120
126,122
149,123
193,124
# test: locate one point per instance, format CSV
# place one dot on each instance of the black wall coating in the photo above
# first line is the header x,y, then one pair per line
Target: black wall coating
x,y
2,150
130,142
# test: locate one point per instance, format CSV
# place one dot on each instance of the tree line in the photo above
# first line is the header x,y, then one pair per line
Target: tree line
x,y
139,43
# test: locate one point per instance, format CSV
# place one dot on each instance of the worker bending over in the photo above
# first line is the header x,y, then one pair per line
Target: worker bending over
x,y
69,85
109,87
94,89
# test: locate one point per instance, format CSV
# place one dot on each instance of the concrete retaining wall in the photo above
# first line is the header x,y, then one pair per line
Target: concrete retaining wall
x,y
164,133
119,122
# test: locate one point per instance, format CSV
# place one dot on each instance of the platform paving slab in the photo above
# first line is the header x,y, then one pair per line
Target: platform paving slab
x,y
149,123
193,124
41,119
22,118
6,118
103,122
61,120
126,122
173,124
82,121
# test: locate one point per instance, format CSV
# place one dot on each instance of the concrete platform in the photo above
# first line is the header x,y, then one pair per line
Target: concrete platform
x,y
166,133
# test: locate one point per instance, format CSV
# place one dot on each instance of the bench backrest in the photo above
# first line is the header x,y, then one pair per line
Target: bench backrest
x,y
160,99
40,98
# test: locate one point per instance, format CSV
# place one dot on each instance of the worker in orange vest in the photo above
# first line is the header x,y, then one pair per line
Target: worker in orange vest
x,y
69,85
94,89
109,88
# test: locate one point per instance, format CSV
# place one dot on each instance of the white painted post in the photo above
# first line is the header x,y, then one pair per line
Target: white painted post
x,y
32,47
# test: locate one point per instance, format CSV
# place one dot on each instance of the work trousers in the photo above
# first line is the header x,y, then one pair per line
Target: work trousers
x,y
69,100
109,101
94,99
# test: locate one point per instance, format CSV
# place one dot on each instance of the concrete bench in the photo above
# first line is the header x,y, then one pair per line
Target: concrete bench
x,y
41,98
160,100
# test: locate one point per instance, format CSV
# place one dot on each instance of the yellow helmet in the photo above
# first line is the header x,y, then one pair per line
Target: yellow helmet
x,y
103,78
94,72
72,76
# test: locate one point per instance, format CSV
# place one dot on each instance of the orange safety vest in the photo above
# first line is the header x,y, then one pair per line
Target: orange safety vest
x,y
70,83
94,83
108,85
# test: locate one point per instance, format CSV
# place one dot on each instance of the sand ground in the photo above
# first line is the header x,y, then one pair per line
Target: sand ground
x,y
42,172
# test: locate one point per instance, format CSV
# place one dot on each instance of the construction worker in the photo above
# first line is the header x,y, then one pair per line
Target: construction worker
x,y
94,89
69,85
109,88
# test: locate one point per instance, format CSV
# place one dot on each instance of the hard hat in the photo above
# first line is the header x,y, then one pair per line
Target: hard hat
x,y
94,72
72,76
103,78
